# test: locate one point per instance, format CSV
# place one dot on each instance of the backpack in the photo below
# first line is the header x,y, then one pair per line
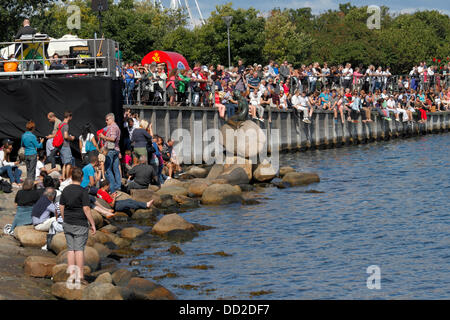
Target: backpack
x,y
58,140
5,186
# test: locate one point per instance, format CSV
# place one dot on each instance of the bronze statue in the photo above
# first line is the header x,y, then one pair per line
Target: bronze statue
x,y
242,113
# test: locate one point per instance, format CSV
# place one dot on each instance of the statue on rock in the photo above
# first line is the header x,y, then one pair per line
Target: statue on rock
x,y
237,120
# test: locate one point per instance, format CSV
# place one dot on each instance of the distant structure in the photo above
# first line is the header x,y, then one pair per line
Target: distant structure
x,y
177,4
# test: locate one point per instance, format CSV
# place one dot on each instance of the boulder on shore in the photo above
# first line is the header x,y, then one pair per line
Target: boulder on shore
x,y
172,190
38,266
59,272
149,290
285,170
60,290
300,178
197,172
236,175
121,277
131,233
29,237
197,188
264,172
221,194
142,195
215,171
171,222
234,162
91,258
101,291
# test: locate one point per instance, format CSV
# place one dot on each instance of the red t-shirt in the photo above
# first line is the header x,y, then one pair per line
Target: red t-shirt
x,y
102,194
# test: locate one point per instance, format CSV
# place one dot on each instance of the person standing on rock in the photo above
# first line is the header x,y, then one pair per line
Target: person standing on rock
x,y
76,213
112,163
30,144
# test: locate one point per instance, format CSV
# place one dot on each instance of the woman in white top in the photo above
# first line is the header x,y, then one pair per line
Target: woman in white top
x,y
88,143
254,105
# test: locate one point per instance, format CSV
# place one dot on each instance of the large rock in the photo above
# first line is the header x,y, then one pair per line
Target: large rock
x,y
197,172
300,178
221,194
172,190
145,214
171,222
38,266
104,278
122,196
59,272
60,290
121,277
102,250
109,228
234,162
264,172
58,243
149,289
100,237
118,241
247,141
285,170
101,291
236,175
197,188
173,183
91,258
215,171
98,218
131,233
185,202
144,195
29,237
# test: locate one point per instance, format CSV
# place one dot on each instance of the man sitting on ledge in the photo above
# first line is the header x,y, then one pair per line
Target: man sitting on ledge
x,y
143,175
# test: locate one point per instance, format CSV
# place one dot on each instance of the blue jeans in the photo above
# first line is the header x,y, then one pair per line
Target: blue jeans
x,y
112,171
13,175
128,204
231,108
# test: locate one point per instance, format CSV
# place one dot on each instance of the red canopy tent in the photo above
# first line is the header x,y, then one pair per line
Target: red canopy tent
x,y
171,59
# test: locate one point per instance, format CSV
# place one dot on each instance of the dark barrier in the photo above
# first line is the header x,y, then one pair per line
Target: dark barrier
x,y
89,99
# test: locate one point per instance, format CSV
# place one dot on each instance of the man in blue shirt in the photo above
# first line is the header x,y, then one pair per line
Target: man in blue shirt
x,y
324,99
253,82
90,175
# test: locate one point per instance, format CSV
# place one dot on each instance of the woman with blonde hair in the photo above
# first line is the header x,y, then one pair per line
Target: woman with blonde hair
x,y
139,139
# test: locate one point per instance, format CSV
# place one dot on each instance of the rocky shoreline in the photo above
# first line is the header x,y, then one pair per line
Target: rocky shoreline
x,y
27,272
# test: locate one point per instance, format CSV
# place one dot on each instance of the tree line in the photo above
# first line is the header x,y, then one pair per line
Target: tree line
x,y
297,35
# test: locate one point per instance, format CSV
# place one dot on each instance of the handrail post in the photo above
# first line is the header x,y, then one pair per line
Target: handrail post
x,y
165,93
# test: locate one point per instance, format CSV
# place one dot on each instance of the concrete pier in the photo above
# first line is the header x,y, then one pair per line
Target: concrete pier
x,y
294,135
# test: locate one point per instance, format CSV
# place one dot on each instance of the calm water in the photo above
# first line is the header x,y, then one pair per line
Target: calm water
x,y
384,204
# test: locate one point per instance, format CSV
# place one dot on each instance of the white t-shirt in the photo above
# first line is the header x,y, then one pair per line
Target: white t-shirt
x,y
83,142
39,166
349,73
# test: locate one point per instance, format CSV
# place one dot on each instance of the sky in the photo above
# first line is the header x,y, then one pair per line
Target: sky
x,y
319,6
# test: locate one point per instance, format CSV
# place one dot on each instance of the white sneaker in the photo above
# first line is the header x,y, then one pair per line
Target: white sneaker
x,y
261,119
44,248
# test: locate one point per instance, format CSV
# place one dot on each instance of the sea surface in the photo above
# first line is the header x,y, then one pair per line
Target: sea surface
x,y
384,204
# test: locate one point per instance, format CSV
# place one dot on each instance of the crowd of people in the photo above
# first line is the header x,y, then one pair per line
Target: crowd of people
x,y
346,91
59,189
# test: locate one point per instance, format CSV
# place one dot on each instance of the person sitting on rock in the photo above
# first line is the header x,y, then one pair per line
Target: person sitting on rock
x,y
143,175
44,210
120,205
25,200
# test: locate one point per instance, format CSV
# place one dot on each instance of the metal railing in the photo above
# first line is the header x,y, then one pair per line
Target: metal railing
x,y
101,60
156,95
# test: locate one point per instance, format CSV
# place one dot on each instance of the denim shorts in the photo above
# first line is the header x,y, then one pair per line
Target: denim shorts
x,y
66,155
76,237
